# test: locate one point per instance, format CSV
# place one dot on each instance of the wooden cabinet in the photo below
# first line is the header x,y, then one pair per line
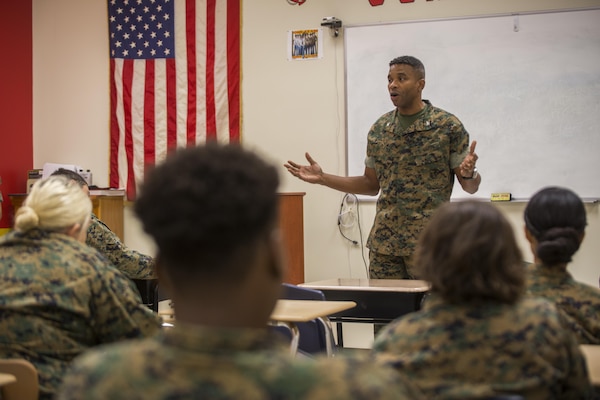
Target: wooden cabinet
x,y
107,205
109,209
291,224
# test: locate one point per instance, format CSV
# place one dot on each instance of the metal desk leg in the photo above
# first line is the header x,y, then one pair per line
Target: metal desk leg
x,y
295,335
329,344
340,334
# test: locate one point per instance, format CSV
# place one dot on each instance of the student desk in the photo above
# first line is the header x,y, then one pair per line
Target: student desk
x,y
379,301
591,353
290,312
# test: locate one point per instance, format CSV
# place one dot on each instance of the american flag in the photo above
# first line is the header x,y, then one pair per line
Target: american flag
x,y
174,80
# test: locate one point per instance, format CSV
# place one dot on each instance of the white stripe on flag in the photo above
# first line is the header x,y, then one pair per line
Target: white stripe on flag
x,y
201,73
221,84
160,111
122,156
137,119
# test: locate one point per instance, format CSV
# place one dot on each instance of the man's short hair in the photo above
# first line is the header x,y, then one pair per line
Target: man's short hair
x,y
413,62
71,175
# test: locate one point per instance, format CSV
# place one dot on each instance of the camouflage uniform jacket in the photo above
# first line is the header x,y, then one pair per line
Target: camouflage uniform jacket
x,y
481,349
415,170
132,263
580,303
193,362
59,297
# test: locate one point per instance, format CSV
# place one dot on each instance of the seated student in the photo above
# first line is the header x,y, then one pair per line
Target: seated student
x,y
477,335
555,221
212,211
59,297
99,236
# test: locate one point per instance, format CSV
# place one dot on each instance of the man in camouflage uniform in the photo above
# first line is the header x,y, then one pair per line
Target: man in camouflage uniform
x,y
220,257
413,153
99,236
59,297
477,335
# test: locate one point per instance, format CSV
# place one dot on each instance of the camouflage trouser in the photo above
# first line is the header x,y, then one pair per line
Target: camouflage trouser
x,y
382,266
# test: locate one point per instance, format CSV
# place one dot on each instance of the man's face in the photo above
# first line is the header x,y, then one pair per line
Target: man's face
x,y
405,85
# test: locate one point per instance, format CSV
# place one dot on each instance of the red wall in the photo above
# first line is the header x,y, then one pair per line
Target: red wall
x,y
16,101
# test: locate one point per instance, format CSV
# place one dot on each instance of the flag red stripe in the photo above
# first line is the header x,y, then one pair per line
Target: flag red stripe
x,y
233,68
127,91
149,121
190,36
114,129
211,112
171,104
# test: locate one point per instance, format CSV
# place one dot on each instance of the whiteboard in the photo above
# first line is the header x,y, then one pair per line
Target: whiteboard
x,y
526,87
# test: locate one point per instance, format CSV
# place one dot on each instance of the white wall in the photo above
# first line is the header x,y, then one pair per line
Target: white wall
x,y
288,107
70,85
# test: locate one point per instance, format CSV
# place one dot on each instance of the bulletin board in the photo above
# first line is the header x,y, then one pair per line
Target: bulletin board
x,y
525,86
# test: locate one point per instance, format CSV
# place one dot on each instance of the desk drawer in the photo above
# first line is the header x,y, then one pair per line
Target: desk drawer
x,y
375,307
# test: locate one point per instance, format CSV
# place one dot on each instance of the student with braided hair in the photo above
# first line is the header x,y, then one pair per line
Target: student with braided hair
x,y
555,221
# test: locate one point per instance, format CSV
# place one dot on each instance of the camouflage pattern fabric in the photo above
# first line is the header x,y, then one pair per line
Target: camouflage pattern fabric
x,y
132,263
59,297
580,303
383,266
415,170
479,350
191,362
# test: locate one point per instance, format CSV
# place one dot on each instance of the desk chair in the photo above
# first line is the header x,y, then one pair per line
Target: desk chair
x,y
159,295
27,385
147,290
313,336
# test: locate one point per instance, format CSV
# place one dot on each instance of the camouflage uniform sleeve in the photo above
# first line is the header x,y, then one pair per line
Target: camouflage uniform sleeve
x,y
577,384
459,142
118,312
133,264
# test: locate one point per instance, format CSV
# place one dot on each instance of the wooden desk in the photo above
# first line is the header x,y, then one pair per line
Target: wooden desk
x,y
107,205
288,312
307,310
379,301
591,353
5,379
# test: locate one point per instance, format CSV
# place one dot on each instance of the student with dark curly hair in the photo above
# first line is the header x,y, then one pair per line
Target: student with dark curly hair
x,y
555,221
212,212
477,335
